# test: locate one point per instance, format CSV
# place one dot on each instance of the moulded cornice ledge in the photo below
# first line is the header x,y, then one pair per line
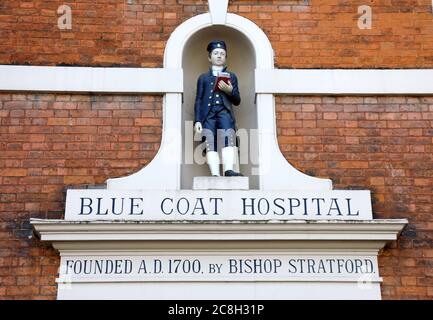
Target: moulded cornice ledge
x,y
91,79
345,81
296,230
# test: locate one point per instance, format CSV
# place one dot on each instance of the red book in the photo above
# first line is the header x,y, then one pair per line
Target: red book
x,y
223,76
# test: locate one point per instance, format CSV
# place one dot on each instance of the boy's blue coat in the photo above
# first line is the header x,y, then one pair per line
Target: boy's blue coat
x,y
205,95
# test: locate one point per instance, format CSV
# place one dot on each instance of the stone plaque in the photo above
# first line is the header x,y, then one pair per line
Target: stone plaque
x,y
217,205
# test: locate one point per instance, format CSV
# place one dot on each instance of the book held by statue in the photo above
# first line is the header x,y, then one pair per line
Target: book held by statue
x,y
222,76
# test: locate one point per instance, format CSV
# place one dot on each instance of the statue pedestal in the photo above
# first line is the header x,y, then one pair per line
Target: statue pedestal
x,y
221,183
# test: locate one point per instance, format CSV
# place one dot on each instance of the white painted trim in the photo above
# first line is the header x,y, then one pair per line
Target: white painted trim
x,y
221,291
216,252
302,280
347,82
170,80
174,50
88,79
218,11
296,230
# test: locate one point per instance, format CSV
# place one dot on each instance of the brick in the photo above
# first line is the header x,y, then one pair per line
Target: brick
x,y
423,182
8,281
25,281
78,180
412,291
330,116
48,290
59,121
377,181
147,122
291,140
18,105
408,281
21,290
308,107
13,172
350,100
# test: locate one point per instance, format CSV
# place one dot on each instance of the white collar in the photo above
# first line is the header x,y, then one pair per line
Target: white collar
x,y
217,69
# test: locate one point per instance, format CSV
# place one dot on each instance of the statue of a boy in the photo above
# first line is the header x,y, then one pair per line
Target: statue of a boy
x,y
214,117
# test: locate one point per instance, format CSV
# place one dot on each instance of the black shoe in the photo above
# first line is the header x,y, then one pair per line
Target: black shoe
x,y
231,173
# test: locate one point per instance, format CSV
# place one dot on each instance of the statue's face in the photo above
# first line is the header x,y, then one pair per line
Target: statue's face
x,y
218,57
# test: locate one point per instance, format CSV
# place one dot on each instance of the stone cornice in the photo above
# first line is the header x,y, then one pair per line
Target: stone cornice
x,y
371,235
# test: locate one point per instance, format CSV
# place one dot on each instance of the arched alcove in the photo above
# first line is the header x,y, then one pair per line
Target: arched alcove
x,y
241,60
185,53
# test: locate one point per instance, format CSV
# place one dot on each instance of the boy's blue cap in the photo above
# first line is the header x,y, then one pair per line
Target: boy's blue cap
x,y
216,44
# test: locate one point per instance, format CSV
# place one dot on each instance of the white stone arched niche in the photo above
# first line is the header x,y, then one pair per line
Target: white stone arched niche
x,y
271,171
241,60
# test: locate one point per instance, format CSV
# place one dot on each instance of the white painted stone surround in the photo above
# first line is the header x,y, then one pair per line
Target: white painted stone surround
x,y
135,240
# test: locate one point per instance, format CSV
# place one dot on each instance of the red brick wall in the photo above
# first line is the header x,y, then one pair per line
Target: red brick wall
x,y
304,34
47,144
51,142
383,144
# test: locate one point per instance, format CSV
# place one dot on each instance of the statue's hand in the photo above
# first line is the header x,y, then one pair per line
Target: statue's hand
x,y
198,127
227,88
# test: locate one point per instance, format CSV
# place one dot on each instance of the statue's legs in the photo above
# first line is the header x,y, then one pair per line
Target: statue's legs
x,y
219,131
213,160
230,158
